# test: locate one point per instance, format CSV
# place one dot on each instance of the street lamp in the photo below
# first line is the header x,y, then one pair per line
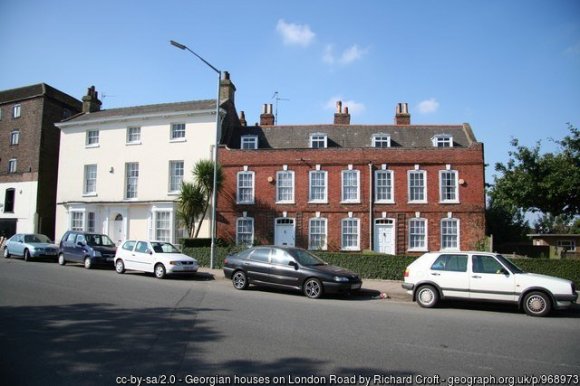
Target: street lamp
x,y
215,149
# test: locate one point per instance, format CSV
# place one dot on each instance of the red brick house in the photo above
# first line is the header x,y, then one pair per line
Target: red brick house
x,y
392,188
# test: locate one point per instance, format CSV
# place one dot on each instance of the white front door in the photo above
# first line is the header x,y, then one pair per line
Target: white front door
x,y
284,232
385,236
118,230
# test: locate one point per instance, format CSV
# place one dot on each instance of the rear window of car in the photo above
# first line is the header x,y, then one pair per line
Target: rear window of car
x,y
453,263
261,254
128,245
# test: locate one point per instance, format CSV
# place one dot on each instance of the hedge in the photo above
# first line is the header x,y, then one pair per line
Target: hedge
x,y
388,267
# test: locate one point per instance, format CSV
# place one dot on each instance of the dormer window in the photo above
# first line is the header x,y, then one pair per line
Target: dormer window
x,y
381,140
442,140
249,142
318,141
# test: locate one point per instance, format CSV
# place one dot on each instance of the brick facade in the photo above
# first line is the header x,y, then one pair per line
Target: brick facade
x,y
271,157
36,152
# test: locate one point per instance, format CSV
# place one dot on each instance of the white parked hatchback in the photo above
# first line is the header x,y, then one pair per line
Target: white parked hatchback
x,y
157,257
484,277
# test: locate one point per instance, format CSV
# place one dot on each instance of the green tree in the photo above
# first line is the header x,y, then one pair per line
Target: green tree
x,y
547,183
203,176
191,205
506,224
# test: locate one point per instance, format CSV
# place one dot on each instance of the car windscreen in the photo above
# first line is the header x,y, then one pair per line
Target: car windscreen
x,y
305,258
36,239
159,247
99,241
511,266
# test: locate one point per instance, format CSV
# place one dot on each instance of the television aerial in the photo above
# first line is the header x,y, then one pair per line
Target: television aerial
x,y
277,98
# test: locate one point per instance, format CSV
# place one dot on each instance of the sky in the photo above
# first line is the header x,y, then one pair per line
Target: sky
x,y
511,69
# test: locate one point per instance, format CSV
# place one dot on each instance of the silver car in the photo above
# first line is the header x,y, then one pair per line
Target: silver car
x,y
30,245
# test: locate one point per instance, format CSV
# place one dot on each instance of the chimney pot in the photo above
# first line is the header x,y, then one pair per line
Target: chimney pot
x,y
339,107
91,102
266,118
340,117
402,116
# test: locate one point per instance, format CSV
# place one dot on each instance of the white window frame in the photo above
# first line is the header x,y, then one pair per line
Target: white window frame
x,y
12,165
240,190
450,241
241,236
177,128
282,189
351,188
77,224
163,225
249,142
412,243
318,138
92,138
132,132
443,194
16,111
91,222
388,188
571,244
324,199
14,137
90,180
318,240
442,140
176,174
410,191
355,225
383,139
131,180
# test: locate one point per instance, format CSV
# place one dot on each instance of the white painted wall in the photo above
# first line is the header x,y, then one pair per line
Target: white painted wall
x,y
153,154
24,205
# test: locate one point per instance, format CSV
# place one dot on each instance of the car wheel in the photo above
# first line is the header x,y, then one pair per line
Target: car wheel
x,y
6,253
427,296
119,266
313,288
26,255
240,280
537,304
160,271
88,263
61,259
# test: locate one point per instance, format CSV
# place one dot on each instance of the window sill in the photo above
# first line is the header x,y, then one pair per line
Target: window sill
x,y
449,202
90,195
351,249
418,250
177,140
417,202
92,146
285,203
384,202
318,202
133,143
350,202
245,202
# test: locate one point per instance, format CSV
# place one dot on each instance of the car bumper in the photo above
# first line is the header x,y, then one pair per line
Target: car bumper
x,y
179,269
44,254
334,287
565,301
103,260
228,272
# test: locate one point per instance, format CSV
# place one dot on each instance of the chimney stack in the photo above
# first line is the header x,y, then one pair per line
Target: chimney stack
x,y
267,118
227,88
402,116
91,102
243,121
341,118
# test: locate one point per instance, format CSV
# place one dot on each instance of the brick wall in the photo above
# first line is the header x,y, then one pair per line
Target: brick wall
x,y
265,163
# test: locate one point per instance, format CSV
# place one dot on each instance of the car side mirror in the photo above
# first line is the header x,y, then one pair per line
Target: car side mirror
x,y
504,271
293,264
150,252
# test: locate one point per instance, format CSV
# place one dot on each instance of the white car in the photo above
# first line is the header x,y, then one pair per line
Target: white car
x,y
157,257
484,277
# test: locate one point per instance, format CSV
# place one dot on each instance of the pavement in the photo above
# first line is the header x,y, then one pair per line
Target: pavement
x,y
372,288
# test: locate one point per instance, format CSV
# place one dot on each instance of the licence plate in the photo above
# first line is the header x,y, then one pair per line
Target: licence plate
x,y
355,286
109,259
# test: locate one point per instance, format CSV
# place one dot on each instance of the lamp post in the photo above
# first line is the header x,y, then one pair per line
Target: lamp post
x,y
215,149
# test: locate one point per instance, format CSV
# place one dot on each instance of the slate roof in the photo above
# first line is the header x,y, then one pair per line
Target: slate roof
x,y
355,136
147,110
37,90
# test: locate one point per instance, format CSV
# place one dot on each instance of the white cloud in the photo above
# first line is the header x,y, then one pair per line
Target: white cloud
x,y
428,106
347,56
295,34
352,54
354,108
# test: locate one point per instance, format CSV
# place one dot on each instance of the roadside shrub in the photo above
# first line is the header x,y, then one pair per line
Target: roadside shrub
x,y
388,267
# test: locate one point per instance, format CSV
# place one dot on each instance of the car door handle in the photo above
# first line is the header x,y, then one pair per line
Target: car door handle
x,y
246,264
476,277
435,274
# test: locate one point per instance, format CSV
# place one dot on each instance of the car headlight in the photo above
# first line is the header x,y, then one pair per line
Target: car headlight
x,y
341,279
175,263
96,254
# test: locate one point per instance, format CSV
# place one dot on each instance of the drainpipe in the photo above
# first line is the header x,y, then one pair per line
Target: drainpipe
x,y
370,206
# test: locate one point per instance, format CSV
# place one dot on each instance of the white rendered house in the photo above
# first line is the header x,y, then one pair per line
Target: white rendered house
x,y
120,170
